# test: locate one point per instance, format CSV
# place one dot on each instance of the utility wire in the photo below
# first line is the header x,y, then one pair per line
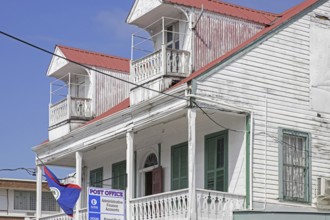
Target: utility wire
x,y
87,67
30,171
123,80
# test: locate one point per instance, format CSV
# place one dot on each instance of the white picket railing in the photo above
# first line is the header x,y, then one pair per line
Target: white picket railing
x,y
176,64
63,216
169,205
210,205
77,108
217,205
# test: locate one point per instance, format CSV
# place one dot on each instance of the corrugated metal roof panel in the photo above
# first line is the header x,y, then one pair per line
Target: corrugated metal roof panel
x,y
95,59
257,16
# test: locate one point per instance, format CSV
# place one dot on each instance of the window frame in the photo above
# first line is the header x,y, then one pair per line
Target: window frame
x,y
46,196
308,176
225,135
95,171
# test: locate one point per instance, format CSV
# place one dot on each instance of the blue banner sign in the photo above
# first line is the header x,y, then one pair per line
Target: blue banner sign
x,y
106,204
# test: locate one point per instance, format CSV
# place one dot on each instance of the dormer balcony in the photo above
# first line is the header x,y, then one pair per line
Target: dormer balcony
x,y
163,52
68,100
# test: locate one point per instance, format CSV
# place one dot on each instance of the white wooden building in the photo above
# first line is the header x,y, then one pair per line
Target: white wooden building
x,y
225,117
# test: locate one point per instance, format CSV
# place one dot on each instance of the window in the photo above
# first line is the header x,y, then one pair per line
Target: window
x,y
172,36
179,166
294,166
119,180
26,200
216,161
96,178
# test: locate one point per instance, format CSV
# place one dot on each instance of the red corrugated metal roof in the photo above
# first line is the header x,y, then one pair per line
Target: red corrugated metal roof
x,y
286,16
121,106
95,59
283,18
249,14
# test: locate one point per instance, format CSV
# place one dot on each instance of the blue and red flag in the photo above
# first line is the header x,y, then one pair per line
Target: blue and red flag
x,y
66,195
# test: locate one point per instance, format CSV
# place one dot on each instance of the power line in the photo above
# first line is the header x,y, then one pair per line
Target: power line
x,y
87,67
30,171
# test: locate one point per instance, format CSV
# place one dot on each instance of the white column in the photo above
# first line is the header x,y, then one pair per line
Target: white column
x,y
192,162
129,171
39,191
78,180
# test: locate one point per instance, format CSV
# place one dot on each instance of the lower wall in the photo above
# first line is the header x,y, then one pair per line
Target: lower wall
x,y
280,215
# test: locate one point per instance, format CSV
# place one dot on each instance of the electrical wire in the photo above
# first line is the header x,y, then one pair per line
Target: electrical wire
x,y
88,67
30,171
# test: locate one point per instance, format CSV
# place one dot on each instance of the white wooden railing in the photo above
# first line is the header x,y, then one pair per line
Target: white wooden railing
x,y
217,205
63,216
210,205
170,205
176,63
69,108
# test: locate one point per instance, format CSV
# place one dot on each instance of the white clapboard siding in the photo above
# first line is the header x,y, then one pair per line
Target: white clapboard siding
x,y
110,91
275,74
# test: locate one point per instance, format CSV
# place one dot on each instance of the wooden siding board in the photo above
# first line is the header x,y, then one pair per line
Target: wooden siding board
x,y
280,65
217,34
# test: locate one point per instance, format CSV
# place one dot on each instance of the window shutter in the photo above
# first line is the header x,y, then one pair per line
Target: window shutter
x,y
184,167
157,180
118,175
179,167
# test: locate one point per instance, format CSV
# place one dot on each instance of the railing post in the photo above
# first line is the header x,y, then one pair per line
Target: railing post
x,y
163,50
164,60
69,98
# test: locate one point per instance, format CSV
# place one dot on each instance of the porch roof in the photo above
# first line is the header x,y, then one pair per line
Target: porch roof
x,y
95,59
262,17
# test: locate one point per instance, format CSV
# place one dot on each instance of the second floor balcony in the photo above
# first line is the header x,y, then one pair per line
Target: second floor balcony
x,y
71,101
164,54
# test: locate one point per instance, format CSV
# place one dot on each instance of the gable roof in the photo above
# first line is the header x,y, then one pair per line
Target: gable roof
x,y
262,17
283,19
95,59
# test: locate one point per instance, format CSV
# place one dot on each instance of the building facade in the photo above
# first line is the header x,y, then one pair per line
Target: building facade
x,y
226,118
18,200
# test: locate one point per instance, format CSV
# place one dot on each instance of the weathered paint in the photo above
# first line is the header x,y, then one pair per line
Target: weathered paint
x,y
217,34
273,79
109,91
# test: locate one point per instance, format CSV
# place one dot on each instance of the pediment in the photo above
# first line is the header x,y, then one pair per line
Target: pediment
x,y
142,7
56,63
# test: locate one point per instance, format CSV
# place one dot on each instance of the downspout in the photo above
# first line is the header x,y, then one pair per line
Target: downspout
x,y
251,159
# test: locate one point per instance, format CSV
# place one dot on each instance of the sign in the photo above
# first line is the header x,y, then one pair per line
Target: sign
x,y
106,204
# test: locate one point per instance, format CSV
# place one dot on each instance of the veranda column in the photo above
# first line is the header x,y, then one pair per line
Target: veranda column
x,y
39,191
78,181
129,171
191,163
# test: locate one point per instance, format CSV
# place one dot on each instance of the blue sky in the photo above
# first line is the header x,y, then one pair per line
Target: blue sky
x,y
24,86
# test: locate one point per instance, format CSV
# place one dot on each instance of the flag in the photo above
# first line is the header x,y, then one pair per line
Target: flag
x,y
66,195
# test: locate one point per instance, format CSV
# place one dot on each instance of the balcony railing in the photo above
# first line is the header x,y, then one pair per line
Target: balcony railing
x,y
174,205
63,216
166,61
70,108
210,205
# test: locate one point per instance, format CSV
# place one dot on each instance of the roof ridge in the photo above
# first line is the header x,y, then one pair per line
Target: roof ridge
x,y
246,8
92,52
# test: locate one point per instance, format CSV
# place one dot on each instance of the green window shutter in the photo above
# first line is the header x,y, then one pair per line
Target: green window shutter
x,y
119,175
96,177
179,166
216,161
